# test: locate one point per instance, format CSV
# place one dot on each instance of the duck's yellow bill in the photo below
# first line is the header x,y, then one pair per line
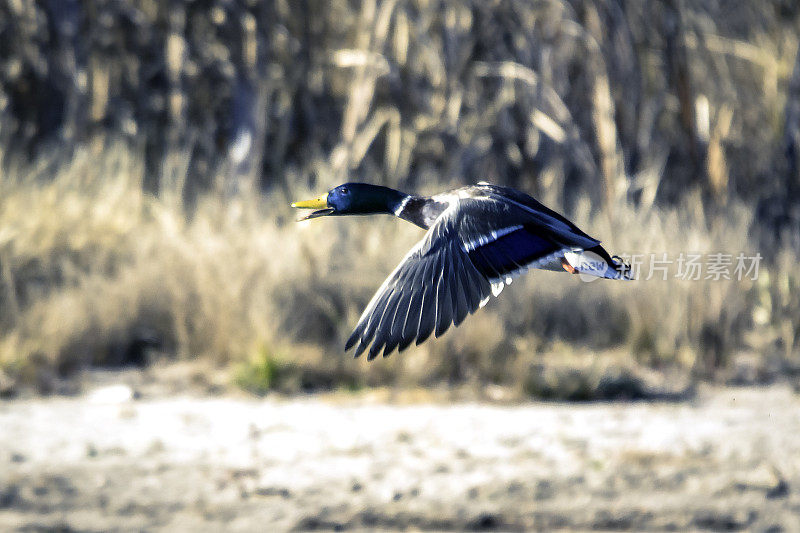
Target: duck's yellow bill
x,y
320,202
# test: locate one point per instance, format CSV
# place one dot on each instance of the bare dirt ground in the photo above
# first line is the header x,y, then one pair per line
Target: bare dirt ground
x,y
728,460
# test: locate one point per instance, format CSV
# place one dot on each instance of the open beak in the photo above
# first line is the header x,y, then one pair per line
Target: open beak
x,y
320,203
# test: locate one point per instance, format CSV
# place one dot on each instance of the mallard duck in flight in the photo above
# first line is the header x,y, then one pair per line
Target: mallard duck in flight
x,y
478,239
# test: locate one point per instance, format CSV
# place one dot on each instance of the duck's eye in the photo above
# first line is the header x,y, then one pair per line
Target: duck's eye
x,y
343,190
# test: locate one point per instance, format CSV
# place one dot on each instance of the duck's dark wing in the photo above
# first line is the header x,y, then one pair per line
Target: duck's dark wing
x,y
505,237
434,286
470,252
572,249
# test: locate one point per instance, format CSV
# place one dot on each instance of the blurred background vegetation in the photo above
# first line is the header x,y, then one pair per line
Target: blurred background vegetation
x,y
148,152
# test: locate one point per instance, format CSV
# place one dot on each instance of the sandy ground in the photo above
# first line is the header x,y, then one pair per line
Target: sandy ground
x,y
728,460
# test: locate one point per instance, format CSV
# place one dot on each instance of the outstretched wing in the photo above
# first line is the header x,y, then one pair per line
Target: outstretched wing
x,y
475,247
434,286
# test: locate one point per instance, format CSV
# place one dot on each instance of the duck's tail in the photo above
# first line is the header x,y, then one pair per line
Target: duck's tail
x,y
597,262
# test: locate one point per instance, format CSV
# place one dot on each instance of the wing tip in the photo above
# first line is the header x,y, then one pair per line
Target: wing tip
x,y
441,329
375,350
349,344
362,346
389,349
422,338
404,344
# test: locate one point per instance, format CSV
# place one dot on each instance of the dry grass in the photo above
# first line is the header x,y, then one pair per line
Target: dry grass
x,y
96,272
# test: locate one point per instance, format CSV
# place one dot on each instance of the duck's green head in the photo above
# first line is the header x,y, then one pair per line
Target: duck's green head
x,y
353,199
